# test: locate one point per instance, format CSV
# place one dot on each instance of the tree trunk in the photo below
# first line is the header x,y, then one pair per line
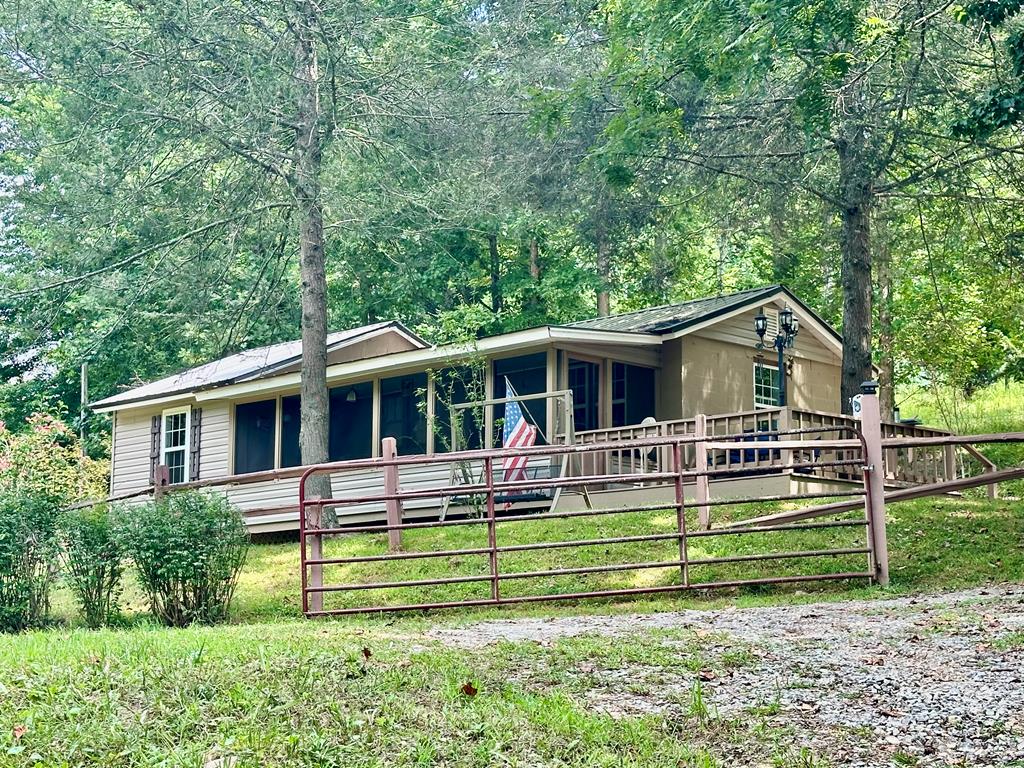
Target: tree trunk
x,y
886,335
855,212
534,303
313,419
497,300
534,260
604,268
779,221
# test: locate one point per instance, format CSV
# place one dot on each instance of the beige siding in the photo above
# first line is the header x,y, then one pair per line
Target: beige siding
x,y
718,369
717,377
215,441
131,450
670,381
264,501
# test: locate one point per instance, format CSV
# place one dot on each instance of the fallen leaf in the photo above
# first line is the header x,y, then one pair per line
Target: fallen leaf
x,y
468,689
366,653
18,731
706,674
875,661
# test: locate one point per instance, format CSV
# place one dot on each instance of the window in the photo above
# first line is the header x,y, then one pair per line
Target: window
x,y
401,416
351,430
632,394
255,430
290,454
174,445
766,385
451,387
583,381
528,375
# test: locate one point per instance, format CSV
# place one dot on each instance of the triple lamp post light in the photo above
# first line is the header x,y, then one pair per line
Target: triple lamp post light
x,y
789,327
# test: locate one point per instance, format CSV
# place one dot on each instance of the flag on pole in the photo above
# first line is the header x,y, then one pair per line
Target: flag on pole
x,y
518,433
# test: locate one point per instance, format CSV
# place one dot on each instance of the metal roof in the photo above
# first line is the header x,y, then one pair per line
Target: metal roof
x,y
674,317
242,366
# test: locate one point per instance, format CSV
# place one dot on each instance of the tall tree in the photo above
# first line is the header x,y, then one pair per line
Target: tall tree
x,y
219,101
845,101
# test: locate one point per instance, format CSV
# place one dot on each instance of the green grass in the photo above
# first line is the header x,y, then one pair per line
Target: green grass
x,y
996,408
274,689
934,544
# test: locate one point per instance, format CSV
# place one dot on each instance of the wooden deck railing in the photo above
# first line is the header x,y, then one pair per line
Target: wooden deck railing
x,y
907,466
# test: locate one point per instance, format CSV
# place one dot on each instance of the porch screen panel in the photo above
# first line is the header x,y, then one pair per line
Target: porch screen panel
x,y
401,416
453,386
254,436
632,394
584,381
351,434
528,376
291,456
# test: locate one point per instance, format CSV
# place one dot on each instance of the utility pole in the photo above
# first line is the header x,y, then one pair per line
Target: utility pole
x,y
81,409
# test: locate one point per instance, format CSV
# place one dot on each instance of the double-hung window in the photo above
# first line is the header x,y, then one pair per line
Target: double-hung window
x,y
766,385
174,444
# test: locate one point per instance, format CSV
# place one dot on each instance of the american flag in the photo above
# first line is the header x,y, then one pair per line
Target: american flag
x,y
518,433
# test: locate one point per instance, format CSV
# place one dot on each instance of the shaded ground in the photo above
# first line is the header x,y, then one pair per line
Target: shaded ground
x,y
931,680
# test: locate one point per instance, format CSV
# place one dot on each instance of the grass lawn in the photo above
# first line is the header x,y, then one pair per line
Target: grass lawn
x,y
272,689
934,544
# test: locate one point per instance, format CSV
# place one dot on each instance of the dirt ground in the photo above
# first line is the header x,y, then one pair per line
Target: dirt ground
x,y
931,681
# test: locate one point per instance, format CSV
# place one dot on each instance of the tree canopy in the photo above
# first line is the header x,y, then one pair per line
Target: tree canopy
x,y
168,172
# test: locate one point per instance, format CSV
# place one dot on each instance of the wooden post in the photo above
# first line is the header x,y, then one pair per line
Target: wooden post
x,y
161,479
389,450
871,429
949,461
702,491
784,425
314,522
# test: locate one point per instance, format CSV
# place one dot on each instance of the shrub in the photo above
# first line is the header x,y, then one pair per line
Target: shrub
x,y
43,458
92,555
188,548
28,559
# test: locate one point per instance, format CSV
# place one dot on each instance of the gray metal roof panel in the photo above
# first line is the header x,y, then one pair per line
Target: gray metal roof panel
x,y
672,317
250,363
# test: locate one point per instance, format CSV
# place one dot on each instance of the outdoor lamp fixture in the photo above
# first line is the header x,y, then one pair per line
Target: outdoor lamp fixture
x,y
789,327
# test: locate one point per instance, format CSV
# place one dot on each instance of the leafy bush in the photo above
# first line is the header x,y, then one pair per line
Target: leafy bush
x,y
92,555
28,559
188,548
43,459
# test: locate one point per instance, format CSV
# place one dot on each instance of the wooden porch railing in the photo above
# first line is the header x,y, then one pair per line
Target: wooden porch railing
x,y
904,466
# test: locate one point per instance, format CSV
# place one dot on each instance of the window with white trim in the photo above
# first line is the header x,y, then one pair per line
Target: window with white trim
x,y
766,385
174,444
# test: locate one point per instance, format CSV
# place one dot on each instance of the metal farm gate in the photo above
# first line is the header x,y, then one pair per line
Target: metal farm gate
x,y
494,509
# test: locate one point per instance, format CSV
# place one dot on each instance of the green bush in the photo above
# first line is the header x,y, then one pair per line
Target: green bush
x,y
92,556
28,560
188,548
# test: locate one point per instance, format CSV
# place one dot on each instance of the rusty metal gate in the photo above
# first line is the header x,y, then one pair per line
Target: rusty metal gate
x,y
494,507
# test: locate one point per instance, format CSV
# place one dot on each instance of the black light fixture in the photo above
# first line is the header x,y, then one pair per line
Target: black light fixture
x,y
786,319
789,327
761,324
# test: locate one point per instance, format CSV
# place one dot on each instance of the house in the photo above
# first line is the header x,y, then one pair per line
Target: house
x,y
240,415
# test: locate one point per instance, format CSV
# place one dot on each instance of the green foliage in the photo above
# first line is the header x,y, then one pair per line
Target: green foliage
x,y
188,549
44,460
28,559
93,561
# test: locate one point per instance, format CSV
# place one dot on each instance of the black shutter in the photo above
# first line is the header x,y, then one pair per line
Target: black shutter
x,y
194,440
154,447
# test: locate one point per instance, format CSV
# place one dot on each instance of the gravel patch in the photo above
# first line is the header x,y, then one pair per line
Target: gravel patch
x,y
930,680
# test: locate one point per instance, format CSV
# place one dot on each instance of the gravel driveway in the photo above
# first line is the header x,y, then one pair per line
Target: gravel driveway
x,y
930,680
